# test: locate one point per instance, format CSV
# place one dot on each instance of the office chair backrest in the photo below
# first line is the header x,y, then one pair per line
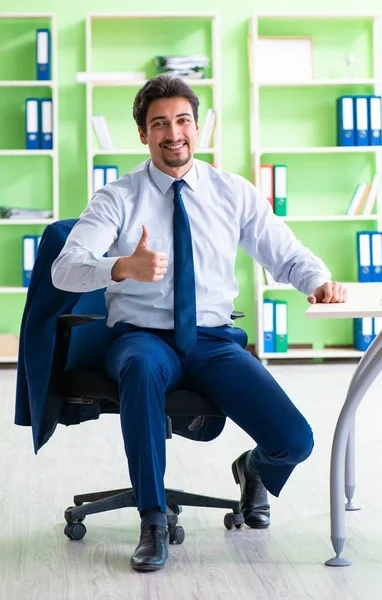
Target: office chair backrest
x,y
88,342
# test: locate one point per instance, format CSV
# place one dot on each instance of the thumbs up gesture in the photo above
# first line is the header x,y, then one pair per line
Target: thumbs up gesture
x,y
143,265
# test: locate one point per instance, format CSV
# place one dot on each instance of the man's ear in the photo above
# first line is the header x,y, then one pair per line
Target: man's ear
x,y
142,136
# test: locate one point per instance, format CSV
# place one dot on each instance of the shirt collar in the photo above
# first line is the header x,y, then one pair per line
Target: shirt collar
x,y
164,181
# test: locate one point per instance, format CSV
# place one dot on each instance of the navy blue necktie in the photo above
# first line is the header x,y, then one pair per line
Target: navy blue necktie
x,y
184,276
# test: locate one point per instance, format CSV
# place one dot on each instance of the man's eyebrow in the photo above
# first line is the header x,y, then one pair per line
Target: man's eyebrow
x,y
186,114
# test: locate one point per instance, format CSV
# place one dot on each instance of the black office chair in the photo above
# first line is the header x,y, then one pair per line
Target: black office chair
x,y
85,386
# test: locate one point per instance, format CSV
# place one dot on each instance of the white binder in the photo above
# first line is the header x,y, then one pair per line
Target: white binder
x,y
98,178
111,174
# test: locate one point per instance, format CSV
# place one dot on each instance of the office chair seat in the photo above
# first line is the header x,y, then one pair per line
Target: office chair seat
x,y
82,386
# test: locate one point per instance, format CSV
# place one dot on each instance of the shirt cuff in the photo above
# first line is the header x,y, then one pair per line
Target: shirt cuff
x,y
316,282
103,269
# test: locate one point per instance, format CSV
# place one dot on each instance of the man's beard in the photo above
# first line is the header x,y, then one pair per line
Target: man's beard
x,y
178,162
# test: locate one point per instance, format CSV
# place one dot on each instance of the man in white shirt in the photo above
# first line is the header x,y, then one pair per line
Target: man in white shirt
x,y
171,229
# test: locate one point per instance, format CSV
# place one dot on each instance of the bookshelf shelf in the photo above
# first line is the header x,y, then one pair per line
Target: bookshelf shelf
x,y
137,84
337,218
285,287
27,83
26,221
276,118
141,151
51,153
319,82
13,290
297,354
322,150
13,77
203,33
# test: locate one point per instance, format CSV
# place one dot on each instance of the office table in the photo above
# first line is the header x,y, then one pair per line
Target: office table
x,y
364,300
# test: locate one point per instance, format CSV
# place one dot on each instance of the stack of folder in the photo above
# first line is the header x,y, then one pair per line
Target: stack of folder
x,y
38,124
103,174
359,121
369,254
365,330
30,248
13,213
192,67
273,185
275,325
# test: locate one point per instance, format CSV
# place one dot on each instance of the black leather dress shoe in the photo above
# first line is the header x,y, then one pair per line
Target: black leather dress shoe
x,y
152,550
254,500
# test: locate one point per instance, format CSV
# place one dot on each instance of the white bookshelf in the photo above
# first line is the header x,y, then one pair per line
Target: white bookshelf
x,y
259,149
213,83
53,154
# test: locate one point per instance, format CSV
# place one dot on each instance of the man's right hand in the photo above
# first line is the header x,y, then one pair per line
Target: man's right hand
x,y
143,265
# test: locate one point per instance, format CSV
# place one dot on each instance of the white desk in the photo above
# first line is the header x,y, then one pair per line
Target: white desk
x,y
364,300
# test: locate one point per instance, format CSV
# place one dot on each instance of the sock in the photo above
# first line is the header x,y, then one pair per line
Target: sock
x,y
153,516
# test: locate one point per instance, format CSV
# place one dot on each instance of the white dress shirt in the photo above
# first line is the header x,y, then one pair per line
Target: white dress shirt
x,y
224,210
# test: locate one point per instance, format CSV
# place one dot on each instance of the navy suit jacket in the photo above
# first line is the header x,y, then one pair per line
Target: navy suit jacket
x,y
36,404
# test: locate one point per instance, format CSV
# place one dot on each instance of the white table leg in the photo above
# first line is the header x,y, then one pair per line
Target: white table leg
x,y
350,447
350,470
368,369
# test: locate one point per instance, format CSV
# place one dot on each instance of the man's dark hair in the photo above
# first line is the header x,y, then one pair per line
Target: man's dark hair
x,y
162,86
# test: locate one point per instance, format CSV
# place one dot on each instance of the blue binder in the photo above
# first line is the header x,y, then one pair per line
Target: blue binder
x,y
345,121
29,256
363,333
269,326
376,256
32,125
46,124
364,256
43,50
361,120
374,120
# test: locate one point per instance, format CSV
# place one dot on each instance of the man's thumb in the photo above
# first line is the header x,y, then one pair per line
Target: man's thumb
x,y
144,237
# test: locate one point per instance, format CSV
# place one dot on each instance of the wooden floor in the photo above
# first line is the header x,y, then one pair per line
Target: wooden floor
x,y
37,562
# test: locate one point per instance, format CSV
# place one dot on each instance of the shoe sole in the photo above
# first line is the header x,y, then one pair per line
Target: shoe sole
x,y
147,568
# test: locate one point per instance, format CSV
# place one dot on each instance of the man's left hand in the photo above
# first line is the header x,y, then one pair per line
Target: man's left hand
x,y
332,291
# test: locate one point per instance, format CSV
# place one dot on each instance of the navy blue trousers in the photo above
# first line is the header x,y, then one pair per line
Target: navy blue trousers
x,y
146,364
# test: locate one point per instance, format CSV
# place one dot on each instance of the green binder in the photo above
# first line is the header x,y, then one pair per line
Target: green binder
x,y
281,326
280,190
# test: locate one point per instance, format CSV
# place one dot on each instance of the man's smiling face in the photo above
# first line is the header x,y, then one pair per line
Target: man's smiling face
x,y
171,134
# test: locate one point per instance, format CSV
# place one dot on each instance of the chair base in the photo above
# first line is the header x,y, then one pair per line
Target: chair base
x,y
97,502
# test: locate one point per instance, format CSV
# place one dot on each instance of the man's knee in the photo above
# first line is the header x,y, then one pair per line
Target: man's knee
x,y
300,443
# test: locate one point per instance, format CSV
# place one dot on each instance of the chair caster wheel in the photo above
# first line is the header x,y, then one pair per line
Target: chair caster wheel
x,y
232,520
75,531
176,535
